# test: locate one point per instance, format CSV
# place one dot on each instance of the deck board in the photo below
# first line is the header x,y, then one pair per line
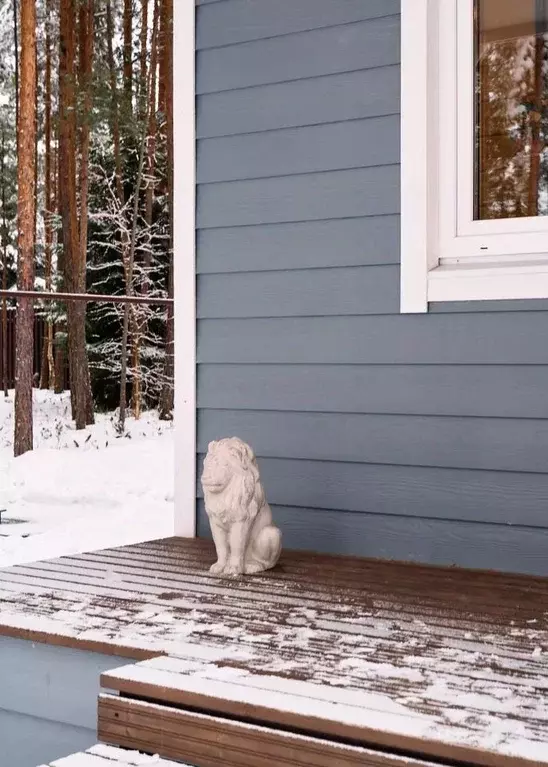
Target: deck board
x,y
453,660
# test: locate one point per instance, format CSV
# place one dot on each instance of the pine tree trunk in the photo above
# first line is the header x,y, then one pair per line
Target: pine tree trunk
x,y
44,363
147,105
85,83
115,130
47,378
4,278
130,319
143,56
5,322
36,129
151,153
75,271
26,202
4,268
163,45
85,75
115,116
129,313
60,356
16,49
166,404
128,60
535,116
59,350
129,316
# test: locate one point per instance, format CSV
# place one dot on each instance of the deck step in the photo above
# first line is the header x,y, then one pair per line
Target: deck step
x,y
208,741
109,756
231,692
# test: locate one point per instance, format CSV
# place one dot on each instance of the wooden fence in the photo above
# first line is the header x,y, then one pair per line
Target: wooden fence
x,y
40,330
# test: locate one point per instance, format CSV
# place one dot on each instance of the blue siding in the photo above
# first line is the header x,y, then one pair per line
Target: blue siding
x,y
312,101
408,437
288,151
48,700
27,741
345,48
241,21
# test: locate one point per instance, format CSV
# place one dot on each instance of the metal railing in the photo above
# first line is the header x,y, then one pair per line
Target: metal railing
x,y
87,297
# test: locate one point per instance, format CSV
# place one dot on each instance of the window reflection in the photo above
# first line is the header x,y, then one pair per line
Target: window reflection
x,y
511,122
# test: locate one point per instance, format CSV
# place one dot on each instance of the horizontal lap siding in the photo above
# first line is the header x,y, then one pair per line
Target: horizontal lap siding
x,y
408,491
302,245
414,539
28,741
519,338
304,197
499,444
311,101
499,391
240,21
312,292
288,151
409,437
346,48
48,700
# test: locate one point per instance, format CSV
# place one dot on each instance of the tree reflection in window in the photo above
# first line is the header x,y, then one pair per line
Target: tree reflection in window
x,y
511,121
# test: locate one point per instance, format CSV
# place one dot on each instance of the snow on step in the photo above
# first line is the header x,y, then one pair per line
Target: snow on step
x,y
478,723
233,742
108,756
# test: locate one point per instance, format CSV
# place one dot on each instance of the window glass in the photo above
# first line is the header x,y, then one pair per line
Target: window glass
x,y
511,109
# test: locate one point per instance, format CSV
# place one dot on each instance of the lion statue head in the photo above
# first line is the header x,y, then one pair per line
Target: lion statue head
x,y
231,475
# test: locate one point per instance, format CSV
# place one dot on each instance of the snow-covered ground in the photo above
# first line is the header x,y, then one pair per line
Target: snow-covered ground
x,y
82,490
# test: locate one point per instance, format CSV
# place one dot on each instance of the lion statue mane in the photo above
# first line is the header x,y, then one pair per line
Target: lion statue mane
x,y
241,520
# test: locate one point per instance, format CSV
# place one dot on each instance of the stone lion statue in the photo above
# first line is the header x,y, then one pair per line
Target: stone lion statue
x,y
241,521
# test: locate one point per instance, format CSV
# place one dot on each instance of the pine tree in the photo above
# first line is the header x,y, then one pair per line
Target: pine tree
x,y
47,377
74,265
26,220
166,403
5,241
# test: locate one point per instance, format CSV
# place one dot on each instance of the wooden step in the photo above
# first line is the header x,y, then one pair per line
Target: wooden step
x,y
227,689
109,756
208,741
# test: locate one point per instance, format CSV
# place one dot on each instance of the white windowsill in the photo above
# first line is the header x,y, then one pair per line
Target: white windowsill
x,y
488,282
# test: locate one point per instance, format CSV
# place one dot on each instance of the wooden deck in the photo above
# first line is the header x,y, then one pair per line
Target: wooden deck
x,y
432,664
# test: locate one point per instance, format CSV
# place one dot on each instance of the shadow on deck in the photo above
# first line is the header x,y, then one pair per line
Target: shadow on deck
x,y
325,660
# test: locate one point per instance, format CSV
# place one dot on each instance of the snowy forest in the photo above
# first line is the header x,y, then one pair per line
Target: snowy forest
x,y
86,200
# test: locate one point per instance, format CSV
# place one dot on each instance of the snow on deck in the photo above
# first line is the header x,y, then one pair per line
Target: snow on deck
x,y
107,756
454,659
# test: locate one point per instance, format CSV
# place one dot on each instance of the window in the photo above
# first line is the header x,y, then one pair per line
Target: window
x,y
474,154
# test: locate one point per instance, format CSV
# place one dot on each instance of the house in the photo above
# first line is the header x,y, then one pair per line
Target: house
x,y
366,307
371,309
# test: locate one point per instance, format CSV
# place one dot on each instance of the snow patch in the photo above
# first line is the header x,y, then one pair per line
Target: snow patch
x,y
83,490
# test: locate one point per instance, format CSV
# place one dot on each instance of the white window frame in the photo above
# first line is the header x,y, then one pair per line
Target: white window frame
x,y
184,266
445,254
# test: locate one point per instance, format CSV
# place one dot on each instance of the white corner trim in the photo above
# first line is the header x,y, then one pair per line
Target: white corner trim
x,y
184,266
414,153
488,282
